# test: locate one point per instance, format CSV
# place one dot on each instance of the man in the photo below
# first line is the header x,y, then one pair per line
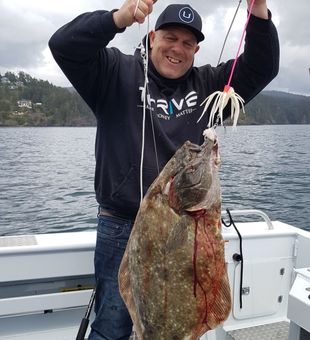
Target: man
x,y
112,84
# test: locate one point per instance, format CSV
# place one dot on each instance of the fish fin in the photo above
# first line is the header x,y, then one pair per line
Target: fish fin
x,y
126,293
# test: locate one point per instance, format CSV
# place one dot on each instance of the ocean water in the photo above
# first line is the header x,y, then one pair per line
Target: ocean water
x,y
46,176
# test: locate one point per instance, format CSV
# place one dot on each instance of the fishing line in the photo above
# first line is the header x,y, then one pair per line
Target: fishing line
x,y
227,34
154,141
136,9
241,41
144,55
144,52
218,100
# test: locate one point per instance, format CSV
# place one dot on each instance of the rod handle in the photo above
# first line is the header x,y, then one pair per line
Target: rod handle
x,y
82,329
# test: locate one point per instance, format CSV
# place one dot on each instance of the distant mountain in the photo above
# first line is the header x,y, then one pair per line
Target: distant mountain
x,y
274,107
26,101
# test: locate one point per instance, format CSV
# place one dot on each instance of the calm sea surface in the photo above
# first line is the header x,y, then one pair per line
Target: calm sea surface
x,y
46,176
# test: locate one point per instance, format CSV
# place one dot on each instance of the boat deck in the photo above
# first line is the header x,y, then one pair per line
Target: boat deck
x,y
46,282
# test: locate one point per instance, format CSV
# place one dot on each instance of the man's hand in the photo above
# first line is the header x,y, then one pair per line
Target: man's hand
x,y
260,9
130,12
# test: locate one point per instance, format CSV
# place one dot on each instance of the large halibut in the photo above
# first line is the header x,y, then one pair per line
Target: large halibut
x,y
173,276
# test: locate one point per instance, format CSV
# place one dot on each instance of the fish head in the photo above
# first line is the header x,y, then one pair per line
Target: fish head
x,y
195,185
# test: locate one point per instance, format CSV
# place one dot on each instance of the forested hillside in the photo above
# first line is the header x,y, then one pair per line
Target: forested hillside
x,y
26,101
272,107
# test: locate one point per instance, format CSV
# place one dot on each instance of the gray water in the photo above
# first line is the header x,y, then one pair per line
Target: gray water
x,y
46,176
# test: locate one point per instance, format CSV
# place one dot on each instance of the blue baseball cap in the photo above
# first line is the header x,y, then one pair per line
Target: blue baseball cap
x,y
181,15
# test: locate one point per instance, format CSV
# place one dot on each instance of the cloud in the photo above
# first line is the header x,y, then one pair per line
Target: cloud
x,y
26,26
21,44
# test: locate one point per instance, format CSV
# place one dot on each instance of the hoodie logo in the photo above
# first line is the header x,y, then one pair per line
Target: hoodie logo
x,y
166,109
186,15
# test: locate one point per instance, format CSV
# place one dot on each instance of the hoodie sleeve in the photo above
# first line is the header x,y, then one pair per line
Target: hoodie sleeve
x,y
79,49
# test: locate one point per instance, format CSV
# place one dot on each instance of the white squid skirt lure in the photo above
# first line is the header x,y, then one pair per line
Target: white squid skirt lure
x,y
220,100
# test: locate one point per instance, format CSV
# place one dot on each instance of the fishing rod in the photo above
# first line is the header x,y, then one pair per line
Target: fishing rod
x,y
85,321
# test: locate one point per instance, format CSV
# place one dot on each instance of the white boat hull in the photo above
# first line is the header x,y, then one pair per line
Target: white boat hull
x,y
46,282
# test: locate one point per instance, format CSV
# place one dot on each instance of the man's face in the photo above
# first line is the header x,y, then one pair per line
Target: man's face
x,y
172,51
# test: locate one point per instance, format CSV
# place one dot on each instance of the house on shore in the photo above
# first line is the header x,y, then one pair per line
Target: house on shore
x,y
24,103
5,81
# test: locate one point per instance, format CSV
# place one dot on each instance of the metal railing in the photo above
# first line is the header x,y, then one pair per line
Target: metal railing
x,y
250,212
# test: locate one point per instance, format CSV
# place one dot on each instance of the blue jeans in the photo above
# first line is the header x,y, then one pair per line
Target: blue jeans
x,y
112,320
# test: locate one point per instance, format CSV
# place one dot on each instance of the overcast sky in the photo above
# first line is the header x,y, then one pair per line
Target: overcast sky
x,y
26,26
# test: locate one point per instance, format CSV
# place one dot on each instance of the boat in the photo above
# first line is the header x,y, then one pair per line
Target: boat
x,y
47,281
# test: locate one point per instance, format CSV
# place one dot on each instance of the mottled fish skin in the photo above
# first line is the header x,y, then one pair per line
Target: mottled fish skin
x,y
173,276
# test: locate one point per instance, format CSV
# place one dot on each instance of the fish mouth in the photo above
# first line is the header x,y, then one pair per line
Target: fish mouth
x,y
196,185
211,136
211,192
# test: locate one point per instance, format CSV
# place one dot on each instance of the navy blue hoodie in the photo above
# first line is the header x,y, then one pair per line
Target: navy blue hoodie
x,y
111,84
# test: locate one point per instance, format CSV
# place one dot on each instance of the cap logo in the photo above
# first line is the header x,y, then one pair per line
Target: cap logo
x,y
186,15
